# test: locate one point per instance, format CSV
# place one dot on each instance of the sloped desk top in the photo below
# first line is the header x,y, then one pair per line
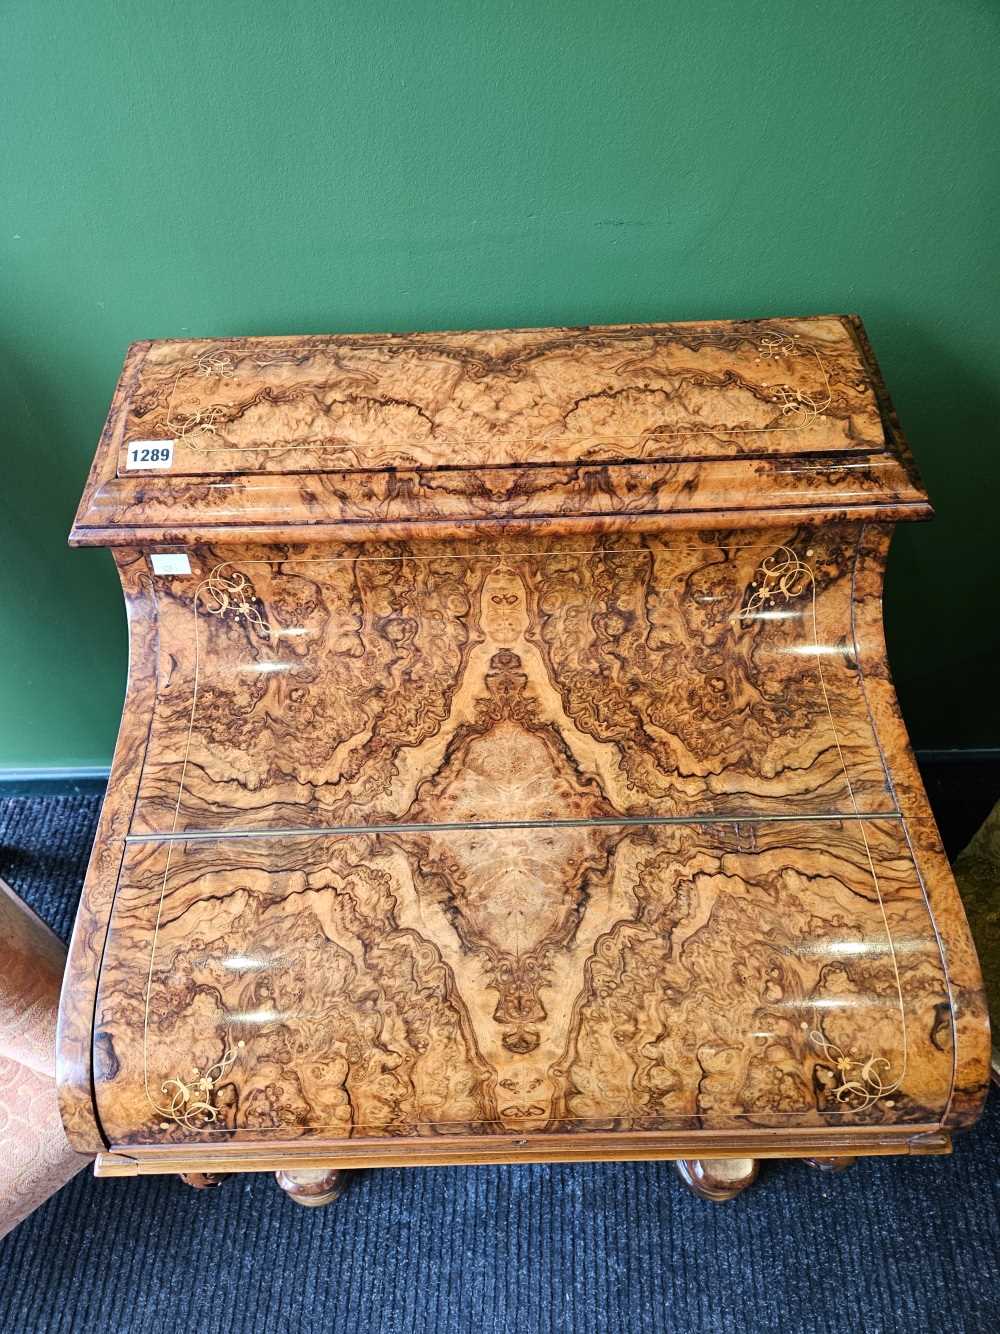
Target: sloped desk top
x,y
471,844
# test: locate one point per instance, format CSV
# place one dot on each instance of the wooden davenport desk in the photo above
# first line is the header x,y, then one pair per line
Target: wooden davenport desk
x,y
510,768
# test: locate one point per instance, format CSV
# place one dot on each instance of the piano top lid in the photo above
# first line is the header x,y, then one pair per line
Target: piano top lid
x,y
594,426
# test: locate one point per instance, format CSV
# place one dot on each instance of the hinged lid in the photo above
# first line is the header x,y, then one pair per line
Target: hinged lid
x,y
656,425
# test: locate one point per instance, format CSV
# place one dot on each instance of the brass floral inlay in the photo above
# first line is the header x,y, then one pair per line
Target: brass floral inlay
x,y
203,419
775,346
781,575
235,594
853,1082
190,1101
224,365
215,362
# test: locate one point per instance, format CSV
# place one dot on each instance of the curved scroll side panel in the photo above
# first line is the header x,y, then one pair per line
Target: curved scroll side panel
x,y
969,1018
76,1009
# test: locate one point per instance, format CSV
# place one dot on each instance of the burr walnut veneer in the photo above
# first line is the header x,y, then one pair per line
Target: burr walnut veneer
x,y
510,768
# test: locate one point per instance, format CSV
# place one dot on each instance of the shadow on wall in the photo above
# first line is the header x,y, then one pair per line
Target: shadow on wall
x,y
61,618
941,612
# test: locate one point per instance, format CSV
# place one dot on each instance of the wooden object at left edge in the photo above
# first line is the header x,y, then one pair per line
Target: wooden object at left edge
x,y
510,769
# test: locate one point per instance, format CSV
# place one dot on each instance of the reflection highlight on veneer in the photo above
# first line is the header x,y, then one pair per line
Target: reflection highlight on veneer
x,y
517,775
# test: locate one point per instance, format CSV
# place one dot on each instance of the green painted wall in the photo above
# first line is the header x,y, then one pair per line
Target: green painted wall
x,y
260,167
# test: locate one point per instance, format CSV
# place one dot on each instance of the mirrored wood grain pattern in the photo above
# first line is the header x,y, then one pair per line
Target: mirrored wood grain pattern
x,y
518,772
432,435
322,687
480,981
609,875
506,397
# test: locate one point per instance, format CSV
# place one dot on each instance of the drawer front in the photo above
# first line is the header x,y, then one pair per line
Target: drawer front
x,y
635,677
782,974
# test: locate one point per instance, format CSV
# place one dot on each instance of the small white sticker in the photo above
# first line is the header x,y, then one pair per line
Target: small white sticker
x,y
170,562
149,454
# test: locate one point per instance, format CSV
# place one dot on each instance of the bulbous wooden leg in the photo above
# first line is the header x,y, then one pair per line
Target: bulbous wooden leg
x,y
313,1186
717,1178
202,1180
831,1164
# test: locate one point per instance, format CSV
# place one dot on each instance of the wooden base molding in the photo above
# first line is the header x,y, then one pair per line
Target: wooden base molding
x,y
510,769
555,1148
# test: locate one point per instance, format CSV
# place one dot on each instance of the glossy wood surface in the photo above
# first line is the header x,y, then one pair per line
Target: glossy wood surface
x,y
327,687
474,980
504,397
203,1180
437,435
426,844
545,844
552,1147
75,1034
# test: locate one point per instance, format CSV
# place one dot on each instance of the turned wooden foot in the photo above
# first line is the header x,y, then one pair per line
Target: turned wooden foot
x,y
717,1178
313,1187
831,1164
202,1180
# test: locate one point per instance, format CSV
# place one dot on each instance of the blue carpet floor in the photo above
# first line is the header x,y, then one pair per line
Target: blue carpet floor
x,y
892,1245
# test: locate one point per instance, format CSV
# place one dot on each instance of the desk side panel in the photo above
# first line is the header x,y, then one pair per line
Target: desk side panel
x,y
968,1013
79,989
